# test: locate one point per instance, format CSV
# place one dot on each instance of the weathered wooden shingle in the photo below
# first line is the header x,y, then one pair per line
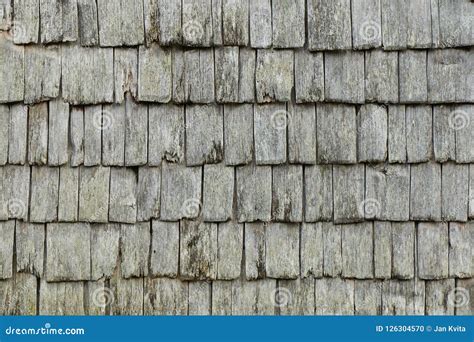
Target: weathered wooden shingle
x,y
461,263
221,298
128,296
348,187
454,192
126,72
260,23
311,254
199,76
471,192
403,249
121,22
425,192
204,135
7,234
198,250
17,191
332,249
105,249
433,250
17,134
169,18
461,120
92,141
6,17
413,78
94,194
164,257
180,192
302,134
4,129
357,251
253,297
227,74
88,23
68,199
238,134
336,134
218,195
274,75
397,141
444,136
254,247
438,297
123,201
113,134
38,134
455,23
18,296
136,133
76,136
366,24
300,300
197,23
287,189
44,194
166,134
344,76
309,76
154,74
318,193
288,23
334,296
230,246
367,297
382,250
270,126
63,298
11,70
26,21
59,21
166,297
199,298
278,237
58,133
401,297
29,242
329,25
254,194
419,130
247,62
148,193
372,133
381,76
235,22
134,249
68,251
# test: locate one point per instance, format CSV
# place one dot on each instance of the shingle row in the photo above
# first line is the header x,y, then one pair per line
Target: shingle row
x,y
217,193
130,134
337,25
195,250
233,75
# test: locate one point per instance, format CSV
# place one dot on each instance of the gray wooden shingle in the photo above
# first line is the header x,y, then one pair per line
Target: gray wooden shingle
x,y
425,192
419,130
318,193
461,263
197,23
336,134
7,233
76,136
357,251
199,298
19,295
454,192
94,194
444,136
278,237
253,298
88,23
254,247
92,140
227,74
270,125
178,71
366,24
288,23
63,298
221,298
113,134
164,257
471,192
247,62
180,192
387,192
348,187
44,194
148,193
121,22
311,254
11,70
126,73
17,191
254,195
166,134
151,17
198,250
38,134
59,21
438,301
287,190
329,25
367,297
68,252
104,250
397,141
134,249
166,297
467,308
235,22
433,250
26,21
413,78
301,134
204,135
332,249
403,249
238,134
382,250
309,76
260,23
136,133
381,76
169,14
218,193
230,236
199,76
17,134
344,76
455,22
6,17
58,133
372,133
83,67
128,296
334,296
4,133
402,297
43,79
216,12
301,298
123,201
274,75
462,122
29,242
154,74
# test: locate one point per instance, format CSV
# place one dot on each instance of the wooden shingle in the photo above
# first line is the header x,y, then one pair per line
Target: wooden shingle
x,y
235,22
260,23
11,71
123,201
455,22
367,297
438,301
26,21
126,73
334,296
92,134
94,194
247,62
301,300
62,298
227,74
199,76
199,298
425,192
17,134
113,134
4,129
288,23
254,194
58,133
318,193
164,257
136,133
461,264
7,234
128,296
88,23
381,76
397,141
38,134
17,185
433,250
221,298
357,251
403,249
274,75
44,194
148,193
454,192
166,297
372,133
270,126
105,249
332,249
278,237
154,70
309,76
253,298
134,249
230,236
348,187
311,241
413,78
287,190
462,122
302,134
238,134
218,193
444,136
196,22
419,133
169,14
59,21
382,250
255,250
366,24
